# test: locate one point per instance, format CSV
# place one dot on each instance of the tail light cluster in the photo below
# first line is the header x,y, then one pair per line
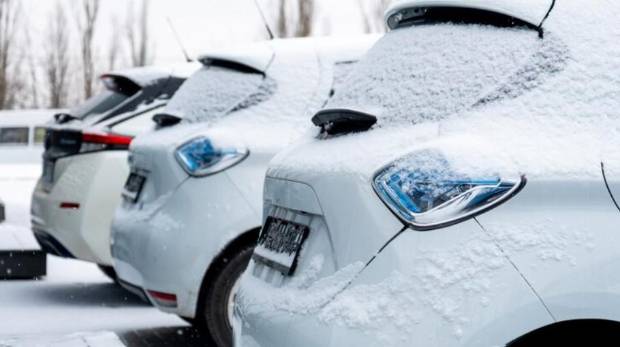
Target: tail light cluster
x,y
92,142
63,143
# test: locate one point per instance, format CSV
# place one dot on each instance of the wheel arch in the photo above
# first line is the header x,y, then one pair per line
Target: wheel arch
x,y
570,333
242,240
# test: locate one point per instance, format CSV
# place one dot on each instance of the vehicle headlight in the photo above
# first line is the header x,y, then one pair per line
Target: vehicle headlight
x,y
199,157
425,192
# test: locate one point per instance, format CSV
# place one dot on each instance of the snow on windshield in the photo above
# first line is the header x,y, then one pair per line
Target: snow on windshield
x,y
428,72
214,91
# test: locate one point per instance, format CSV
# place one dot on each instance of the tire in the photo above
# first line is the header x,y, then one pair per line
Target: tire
x,y
216,292
109,272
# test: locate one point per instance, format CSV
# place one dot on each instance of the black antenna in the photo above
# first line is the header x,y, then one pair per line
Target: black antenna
x,y
540,28
262,15
178,39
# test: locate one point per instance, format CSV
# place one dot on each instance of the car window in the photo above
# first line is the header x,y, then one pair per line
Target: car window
x,y
39,135
215,91
426,72
99,104
14,136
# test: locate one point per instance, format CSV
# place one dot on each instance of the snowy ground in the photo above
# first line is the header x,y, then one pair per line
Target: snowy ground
x,y
75,305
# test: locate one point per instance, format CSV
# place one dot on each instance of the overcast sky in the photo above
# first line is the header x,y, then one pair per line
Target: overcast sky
x,y
202,24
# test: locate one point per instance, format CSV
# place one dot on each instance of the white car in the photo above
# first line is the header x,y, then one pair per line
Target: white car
x,y
85,162
460,192
193,202
22,134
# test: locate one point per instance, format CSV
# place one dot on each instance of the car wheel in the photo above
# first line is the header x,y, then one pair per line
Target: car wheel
x,y
218,296
109,271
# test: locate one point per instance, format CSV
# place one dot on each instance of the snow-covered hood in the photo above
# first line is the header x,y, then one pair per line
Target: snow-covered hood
x,y
530,11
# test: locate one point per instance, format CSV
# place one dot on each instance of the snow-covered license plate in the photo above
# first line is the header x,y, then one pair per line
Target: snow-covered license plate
x,y
279,244
48,171
133,187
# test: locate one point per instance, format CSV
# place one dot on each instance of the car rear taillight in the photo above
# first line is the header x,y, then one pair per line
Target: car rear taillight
x,y
92,142
163,299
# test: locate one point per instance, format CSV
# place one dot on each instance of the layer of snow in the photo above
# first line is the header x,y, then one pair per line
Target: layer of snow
x,y
27,117
74,296
212,93
304,295
101,339
451,282
16,186
554,114
302,83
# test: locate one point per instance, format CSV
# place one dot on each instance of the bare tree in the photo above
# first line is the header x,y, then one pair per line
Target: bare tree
x,y
372,14
137,34
295,21
305,18
9,14
114,49
282,27
57,57
33,67
86,18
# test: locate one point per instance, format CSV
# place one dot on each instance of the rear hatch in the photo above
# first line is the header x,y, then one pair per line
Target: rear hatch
x,y
108,121
319,196
219,88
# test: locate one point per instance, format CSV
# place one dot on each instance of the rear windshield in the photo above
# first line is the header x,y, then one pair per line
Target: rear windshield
x,y
430,71
14,136
99,104
215,91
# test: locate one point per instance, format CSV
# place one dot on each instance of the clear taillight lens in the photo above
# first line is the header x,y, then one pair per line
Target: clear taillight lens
x,y
199,157
425,192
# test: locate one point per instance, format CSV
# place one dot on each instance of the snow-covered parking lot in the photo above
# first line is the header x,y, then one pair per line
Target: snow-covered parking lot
x,y
75,304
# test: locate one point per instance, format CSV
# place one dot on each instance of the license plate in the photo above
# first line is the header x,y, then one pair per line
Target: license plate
x,y
48,171
133,187
279,244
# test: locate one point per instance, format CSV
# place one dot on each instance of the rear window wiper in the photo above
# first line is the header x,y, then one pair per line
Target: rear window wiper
x,y
166,120
341,121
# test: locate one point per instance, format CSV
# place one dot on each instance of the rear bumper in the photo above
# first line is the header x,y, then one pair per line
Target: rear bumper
x,y
51,245
93,183
134,289
450,287
167,245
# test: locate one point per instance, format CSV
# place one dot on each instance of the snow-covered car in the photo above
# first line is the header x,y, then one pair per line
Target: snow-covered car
x,y
461,190
193,202
85,162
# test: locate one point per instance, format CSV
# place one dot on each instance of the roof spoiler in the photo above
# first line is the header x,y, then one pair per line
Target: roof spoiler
x,y
406,12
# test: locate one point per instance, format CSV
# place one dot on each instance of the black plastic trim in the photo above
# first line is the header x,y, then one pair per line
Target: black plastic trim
x,y
51,245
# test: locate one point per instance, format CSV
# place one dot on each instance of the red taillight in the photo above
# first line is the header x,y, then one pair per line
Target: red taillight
x,y
69,205
107,139
163,299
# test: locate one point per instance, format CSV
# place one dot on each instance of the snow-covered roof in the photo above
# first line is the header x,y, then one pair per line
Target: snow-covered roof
x,y
530,11
144,76
258,56
27,117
